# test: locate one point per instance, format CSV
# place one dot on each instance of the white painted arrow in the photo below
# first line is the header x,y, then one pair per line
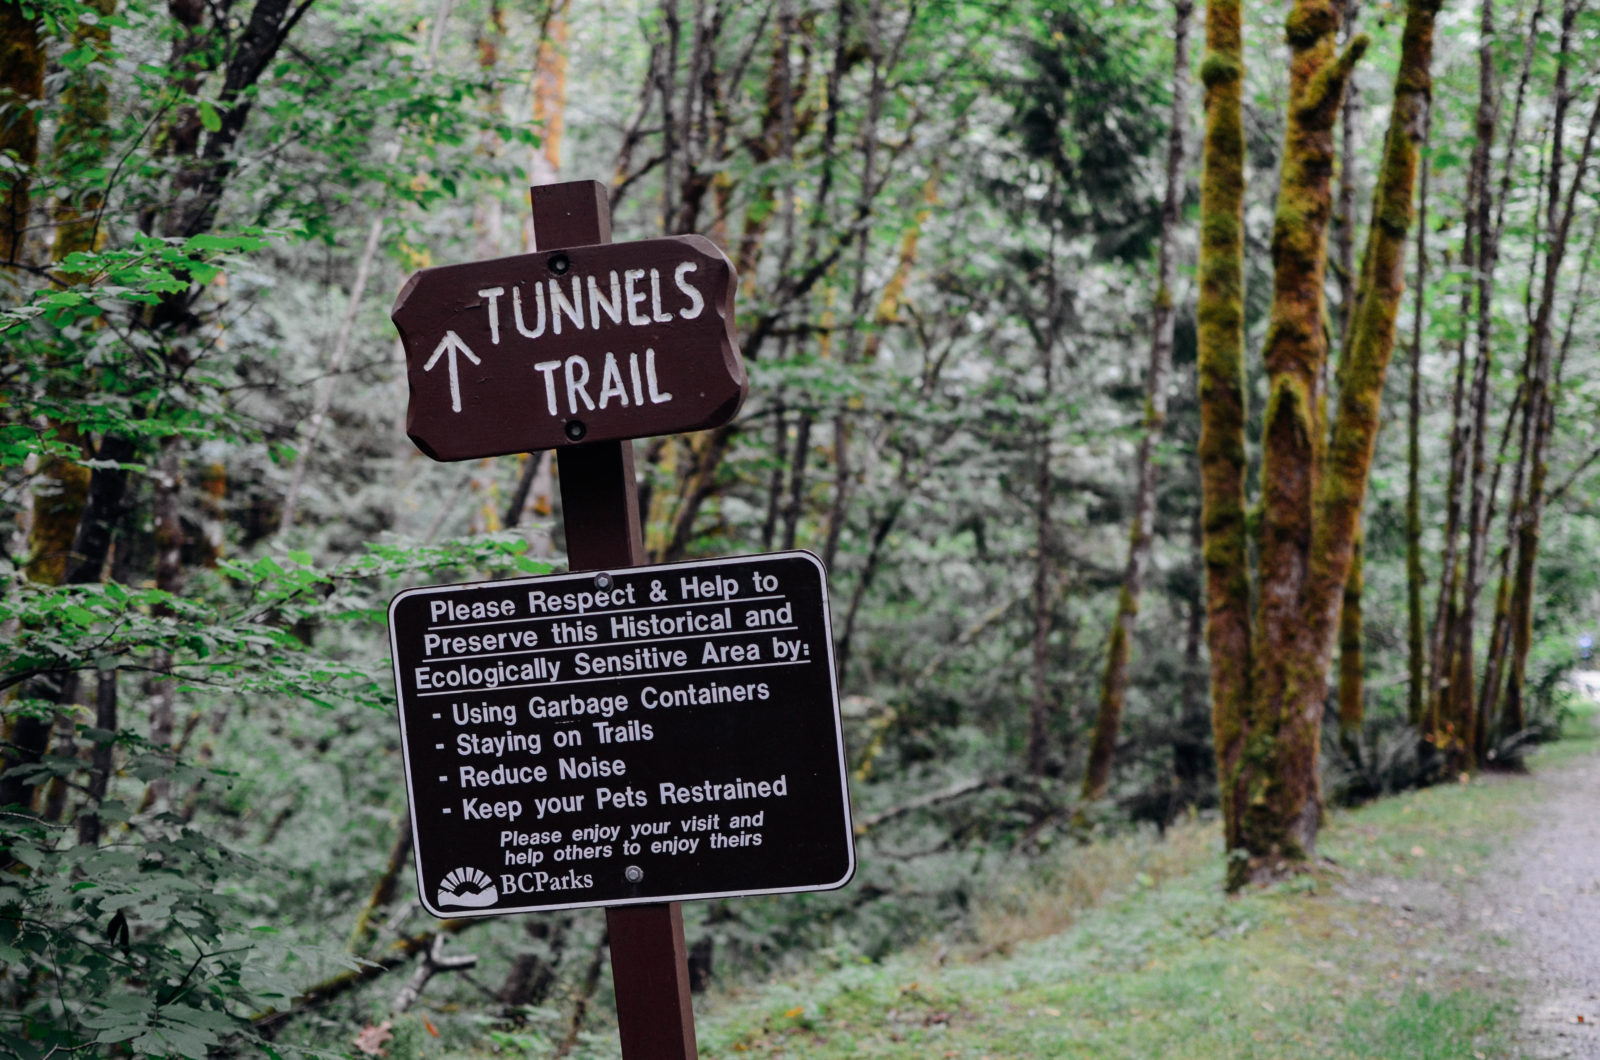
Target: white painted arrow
x,y
451,343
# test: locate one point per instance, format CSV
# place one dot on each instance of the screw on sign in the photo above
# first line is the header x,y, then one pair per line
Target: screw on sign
x,y
573,344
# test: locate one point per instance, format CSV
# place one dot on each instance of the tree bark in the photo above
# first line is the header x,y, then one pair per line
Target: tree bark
x,y
1540,412
100,757
83,136
1352,661
1282,807
1041,707
1312,497
1221,381
1416,623
22,63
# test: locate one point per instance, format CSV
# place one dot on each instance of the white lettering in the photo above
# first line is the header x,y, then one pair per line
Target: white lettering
x,y
696,303
548,368
655,299
561,305
656,396
611,382
638,387
493,295
597,302
634,298
577,370
516,312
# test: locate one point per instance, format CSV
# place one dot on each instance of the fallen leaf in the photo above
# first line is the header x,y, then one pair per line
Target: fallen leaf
x,y
372,1038
428,1023
1052,1012
1418,852
792,1013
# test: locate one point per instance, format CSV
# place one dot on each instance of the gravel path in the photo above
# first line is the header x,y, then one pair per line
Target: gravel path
x,y
1546,904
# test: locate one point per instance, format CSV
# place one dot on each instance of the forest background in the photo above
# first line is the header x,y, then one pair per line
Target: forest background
x,y
983,353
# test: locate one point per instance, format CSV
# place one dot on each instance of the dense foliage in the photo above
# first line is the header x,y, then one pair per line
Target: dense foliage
x,y
945,218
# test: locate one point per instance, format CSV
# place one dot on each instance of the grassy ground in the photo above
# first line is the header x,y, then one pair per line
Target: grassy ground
x,y
1373,955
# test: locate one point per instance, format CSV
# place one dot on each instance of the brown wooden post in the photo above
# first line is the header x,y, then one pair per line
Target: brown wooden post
x,y
600,511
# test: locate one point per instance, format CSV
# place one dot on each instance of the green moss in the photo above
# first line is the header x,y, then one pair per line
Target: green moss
x,y
1308,21
1216,70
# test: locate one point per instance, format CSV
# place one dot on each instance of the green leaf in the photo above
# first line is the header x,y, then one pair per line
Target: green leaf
x,y
209,117
78,615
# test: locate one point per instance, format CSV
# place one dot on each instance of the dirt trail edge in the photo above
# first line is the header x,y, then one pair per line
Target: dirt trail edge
x,y
1545,902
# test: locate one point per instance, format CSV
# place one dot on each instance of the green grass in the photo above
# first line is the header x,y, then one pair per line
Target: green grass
x,y
1174,971
1369,956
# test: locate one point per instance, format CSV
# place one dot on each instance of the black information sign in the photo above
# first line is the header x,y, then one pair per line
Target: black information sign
x,y
649,734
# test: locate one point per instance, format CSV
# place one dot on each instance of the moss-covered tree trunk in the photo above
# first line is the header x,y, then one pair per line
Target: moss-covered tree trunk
x,y
1342,489
1352,634
1283,804
1313,491
1114,679
1221,379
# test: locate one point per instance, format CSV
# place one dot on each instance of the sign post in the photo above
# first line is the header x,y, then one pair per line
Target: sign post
x,y
600,511
689,711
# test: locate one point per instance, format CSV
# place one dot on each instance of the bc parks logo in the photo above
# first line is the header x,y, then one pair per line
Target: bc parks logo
x,y
468,888
474,889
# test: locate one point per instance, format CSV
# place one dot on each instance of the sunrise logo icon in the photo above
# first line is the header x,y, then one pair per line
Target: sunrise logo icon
x,y
471,888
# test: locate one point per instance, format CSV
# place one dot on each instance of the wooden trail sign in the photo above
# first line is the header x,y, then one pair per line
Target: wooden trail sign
x,y
635,340
572,344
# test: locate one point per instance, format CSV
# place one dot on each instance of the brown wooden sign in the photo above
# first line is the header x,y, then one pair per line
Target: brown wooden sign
x,y
577,344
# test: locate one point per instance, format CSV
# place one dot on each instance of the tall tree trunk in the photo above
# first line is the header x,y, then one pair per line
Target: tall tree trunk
x,y
1114,679
1540,412
22,62
100,757
1283,804
1416,623
1352,661
61,490
83,136
1221,382
1312,500
1353,437
169,578
1041,707
1466,744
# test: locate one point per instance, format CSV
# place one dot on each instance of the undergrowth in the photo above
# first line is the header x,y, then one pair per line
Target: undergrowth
x,y
1126,946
